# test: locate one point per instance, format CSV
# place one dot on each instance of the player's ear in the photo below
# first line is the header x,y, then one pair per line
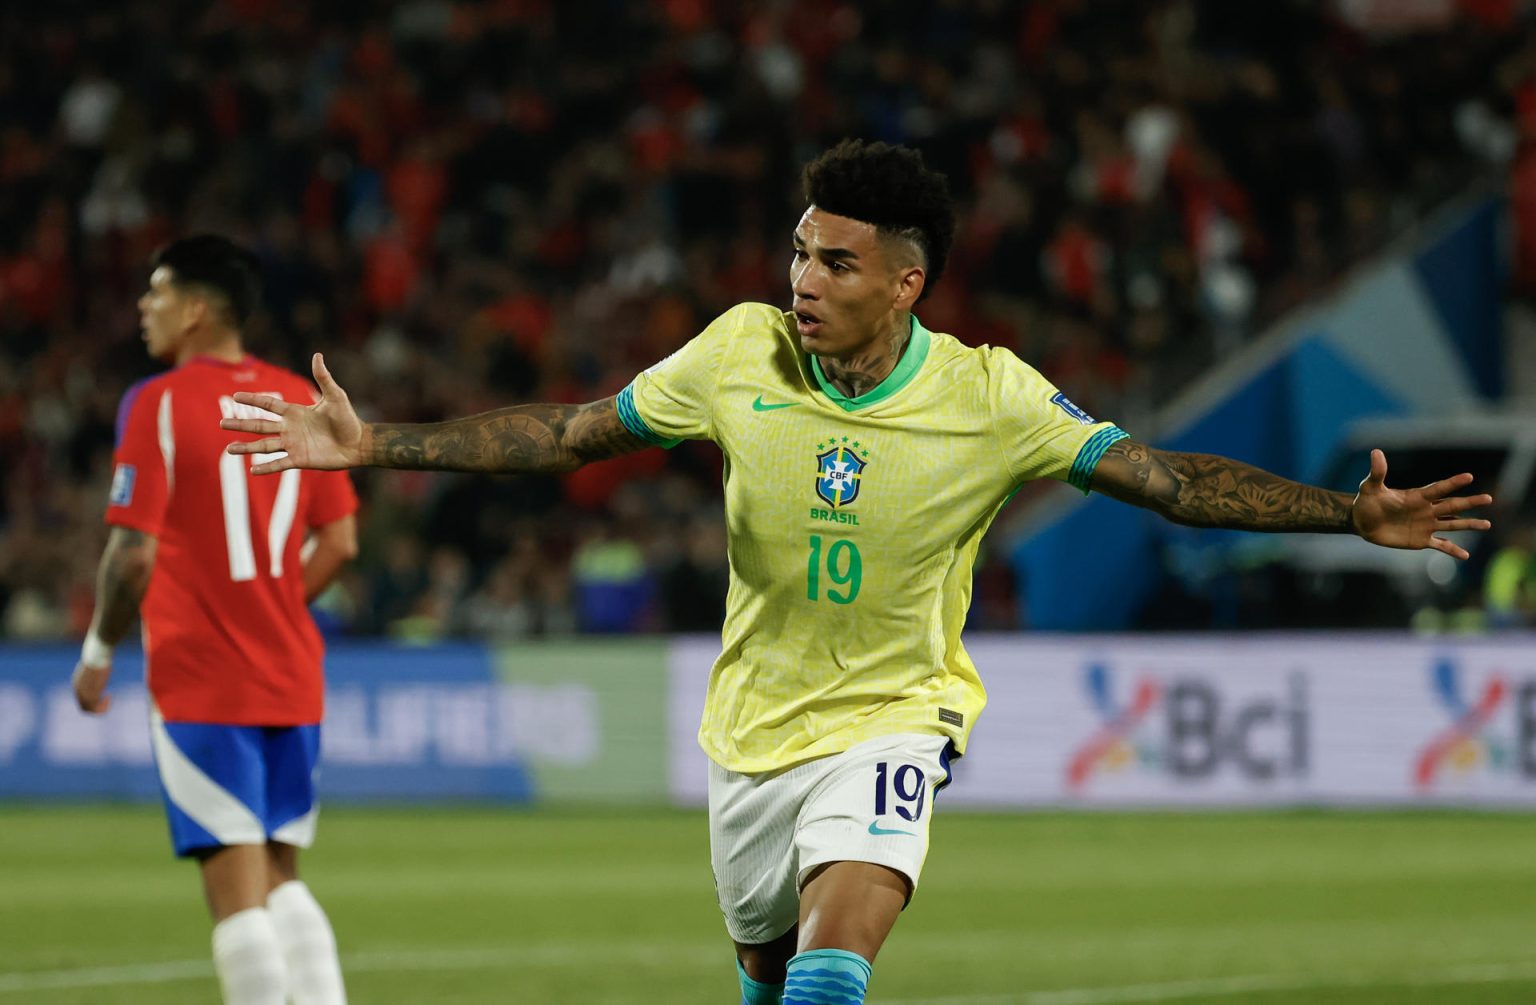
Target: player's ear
x,y
195,309
909,287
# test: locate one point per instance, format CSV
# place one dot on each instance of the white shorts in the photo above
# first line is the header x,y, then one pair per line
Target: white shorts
x,y
870,803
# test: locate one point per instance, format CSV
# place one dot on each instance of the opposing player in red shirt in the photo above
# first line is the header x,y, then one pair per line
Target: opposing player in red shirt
x,y
215,562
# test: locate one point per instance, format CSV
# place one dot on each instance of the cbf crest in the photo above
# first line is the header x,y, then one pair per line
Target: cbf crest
x,y
840,470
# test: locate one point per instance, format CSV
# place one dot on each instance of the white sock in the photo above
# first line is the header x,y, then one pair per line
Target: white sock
x,y
248,959
309,945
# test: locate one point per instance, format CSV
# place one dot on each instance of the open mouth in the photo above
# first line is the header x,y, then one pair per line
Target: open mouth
x,y
807,324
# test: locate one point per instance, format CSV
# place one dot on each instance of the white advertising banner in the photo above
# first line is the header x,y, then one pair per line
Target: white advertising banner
x,y
688,668
1209,720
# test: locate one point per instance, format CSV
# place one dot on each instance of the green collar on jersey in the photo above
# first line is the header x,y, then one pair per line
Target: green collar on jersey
x,y
906,368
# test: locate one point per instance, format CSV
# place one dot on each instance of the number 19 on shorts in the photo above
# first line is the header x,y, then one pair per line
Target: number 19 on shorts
x,y
905,787
840,561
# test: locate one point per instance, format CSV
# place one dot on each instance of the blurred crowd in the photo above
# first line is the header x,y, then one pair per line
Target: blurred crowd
x,y
473,204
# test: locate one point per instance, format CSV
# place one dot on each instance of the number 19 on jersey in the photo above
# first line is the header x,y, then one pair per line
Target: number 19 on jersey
x,y
843,565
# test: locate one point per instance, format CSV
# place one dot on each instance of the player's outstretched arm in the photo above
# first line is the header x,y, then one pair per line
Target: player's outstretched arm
x,y
1203,490
121,579
328,434
520,438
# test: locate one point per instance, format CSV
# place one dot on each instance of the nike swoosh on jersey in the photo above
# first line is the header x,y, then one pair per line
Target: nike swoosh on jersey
x,y
877,830
759,406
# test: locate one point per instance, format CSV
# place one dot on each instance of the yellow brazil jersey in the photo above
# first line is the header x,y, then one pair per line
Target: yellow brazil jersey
x,y
853,525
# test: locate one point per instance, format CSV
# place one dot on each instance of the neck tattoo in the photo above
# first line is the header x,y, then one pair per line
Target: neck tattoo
x,y
863,373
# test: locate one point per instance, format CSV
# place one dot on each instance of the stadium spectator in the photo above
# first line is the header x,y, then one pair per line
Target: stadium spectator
x,y
215,561
501,610
694,577
1509,582
613,588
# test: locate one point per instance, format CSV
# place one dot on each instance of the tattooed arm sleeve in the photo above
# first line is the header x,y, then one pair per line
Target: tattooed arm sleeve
x,y
1203,490
522,438
121,579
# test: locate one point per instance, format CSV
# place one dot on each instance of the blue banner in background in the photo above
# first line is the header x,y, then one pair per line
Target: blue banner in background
x,y
423,724
48,747
401,724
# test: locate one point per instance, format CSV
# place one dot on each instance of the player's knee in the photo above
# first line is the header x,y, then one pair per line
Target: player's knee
x,y
851,906
234,879
282,864
766,962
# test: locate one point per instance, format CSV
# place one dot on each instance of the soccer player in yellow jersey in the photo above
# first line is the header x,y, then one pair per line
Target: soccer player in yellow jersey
x,y
865,458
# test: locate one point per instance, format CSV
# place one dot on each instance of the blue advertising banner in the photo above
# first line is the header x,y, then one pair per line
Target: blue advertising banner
x,y
49,748
450,722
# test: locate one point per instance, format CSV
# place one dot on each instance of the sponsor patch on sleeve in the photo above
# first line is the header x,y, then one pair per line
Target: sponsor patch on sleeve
x,y
122,485
1060,400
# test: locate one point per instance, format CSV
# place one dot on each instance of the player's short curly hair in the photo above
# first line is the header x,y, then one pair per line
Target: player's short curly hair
x,y
220,265
890,187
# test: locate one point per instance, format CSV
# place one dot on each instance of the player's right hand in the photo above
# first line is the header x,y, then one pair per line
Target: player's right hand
x,y
326,435
90,686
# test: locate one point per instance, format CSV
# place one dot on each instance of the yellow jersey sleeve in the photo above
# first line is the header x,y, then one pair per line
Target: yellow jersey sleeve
x,y
1043,434
674,400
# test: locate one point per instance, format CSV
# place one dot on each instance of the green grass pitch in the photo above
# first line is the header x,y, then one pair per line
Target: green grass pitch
x,y
607,908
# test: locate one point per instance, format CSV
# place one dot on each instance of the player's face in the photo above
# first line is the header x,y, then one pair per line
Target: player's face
x,y
162,314
847,289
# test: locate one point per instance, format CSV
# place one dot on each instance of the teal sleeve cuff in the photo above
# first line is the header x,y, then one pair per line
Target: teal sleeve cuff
x,y
630,416
1088,457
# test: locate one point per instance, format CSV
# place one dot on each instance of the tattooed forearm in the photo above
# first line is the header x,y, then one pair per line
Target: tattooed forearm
x,y
1203,490
522,438
121,579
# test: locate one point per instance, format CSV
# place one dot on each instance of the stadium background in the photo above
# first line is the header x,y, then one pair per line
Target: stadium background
x,y
1232,227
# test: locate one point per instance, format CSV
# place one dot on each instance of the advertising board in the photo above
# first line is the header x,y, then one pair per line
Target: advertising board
x,y
1212,720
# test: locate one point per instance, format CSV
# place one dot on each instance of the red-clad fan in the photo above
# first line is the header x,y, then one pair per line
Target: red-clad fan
x,y
216,563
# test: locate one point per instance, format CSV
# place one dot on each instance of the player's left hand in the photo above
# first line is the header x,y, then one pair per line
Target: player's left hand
x,y
90,684
1414,518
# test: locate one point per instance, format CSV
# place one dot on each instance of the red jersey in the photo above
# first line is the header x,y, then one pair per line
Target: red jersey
x,y
227,635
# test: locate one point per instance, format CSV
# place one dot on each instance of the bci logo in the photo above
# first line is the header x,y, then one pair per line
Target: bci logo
x,y
1475,738
1190,728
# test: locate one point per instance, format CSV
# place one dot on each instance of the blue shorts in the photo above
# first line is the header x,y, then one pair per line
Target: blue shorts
x,y
228,785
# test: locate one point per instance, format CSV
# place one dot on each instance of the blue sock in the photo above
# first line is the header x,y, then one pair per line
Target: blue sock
x,y
826,977
756,992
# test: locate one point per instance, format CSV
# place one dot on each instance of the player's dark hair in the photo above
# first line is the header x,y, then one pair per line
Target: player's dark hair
x,y
218,264
890,187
